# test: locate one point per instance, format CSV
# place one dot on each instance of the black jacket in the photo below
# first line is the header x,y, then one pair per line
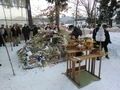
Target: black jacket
x,y
94,33
35,30
15,31
76,32
107,36
26,30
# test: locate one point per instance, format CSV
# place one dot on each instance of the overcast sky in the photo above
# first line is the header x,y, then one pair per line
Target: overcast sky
x,y
36,6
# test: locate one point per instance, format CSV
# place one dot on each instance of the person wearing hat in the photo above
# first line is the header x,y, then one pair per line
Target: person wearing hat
x,y
4,33
74,35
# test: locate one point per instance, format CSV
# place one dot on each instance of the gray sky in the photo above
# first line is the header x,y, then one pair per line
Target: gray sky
x,y
36,6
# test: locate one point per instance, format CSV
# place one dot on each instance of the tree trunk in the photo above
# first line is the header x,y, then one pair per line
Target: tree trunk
x,y
28,7
57,12
76,13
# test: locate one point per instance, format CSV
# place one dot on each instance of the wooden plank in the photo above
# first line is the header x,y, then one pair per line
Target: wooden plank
x,y
85,57
76,68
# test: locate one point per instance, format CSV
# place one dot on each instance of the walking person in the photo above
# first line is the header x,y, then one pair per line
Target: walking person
x,y
107,41
3,33
15,31
104,43
26,32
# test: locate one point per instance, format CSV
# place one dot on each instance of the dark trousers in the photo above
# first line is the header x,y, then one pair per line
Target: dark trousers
x,y
26,37
105,47
2,41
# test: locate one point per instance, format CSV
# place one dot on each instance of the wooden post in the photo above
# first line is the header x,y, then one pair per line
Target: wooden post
x,y
8,55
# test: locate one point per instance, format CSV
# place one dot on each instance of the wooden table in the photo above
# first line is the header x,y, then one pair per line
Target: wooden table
x,y
89,65
89,58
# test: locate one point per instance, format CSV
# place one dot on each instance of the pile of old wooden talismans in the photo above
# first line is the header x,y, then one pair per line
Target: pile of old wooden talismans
x,y
42,49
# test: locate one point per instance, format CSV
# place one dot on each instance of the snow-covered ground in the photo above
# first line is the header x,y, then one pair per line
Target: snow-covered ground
x,y
51,77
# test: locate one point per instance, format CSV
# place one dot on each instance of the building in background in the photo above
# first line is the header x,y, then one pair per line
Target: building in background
x,y
80,22
13,11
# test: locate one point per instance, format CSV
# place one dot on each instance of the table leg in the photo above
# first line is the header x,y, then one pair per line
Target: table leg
x,y
94,66
86,62
70,68
100,67
67,64
79,73
73,70
89,65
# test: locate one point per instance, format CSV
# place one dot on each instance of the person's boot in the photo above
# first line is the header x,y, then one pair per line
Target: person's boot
x,y
0,64
107,57
98,58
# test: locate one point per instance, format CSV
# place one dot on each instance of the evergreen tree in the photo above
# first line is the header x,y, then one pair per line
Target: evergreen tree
x,y
106,9
58,3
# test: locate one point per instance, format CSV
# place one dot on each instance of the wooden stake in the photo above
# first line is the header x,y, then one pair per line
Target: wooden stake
x,y
8,55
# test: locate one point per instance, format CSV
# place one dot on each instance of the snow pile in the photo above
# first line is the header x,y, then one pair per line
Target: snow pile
x,y
52,77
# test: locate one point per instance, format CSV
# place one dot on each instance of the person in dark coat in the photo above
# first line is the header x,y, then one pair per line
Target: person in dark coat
x,y
19,37
35,30
48,27
4,33
105,43
15,34
26,32
74,35
76,32
95,32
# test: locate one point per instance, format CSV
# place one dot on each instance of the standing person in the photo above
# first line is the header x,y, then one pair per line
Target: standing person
x,y
15,34
56,28
74,35
9,32
19,33
4,33
48,27
35,30
26,32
